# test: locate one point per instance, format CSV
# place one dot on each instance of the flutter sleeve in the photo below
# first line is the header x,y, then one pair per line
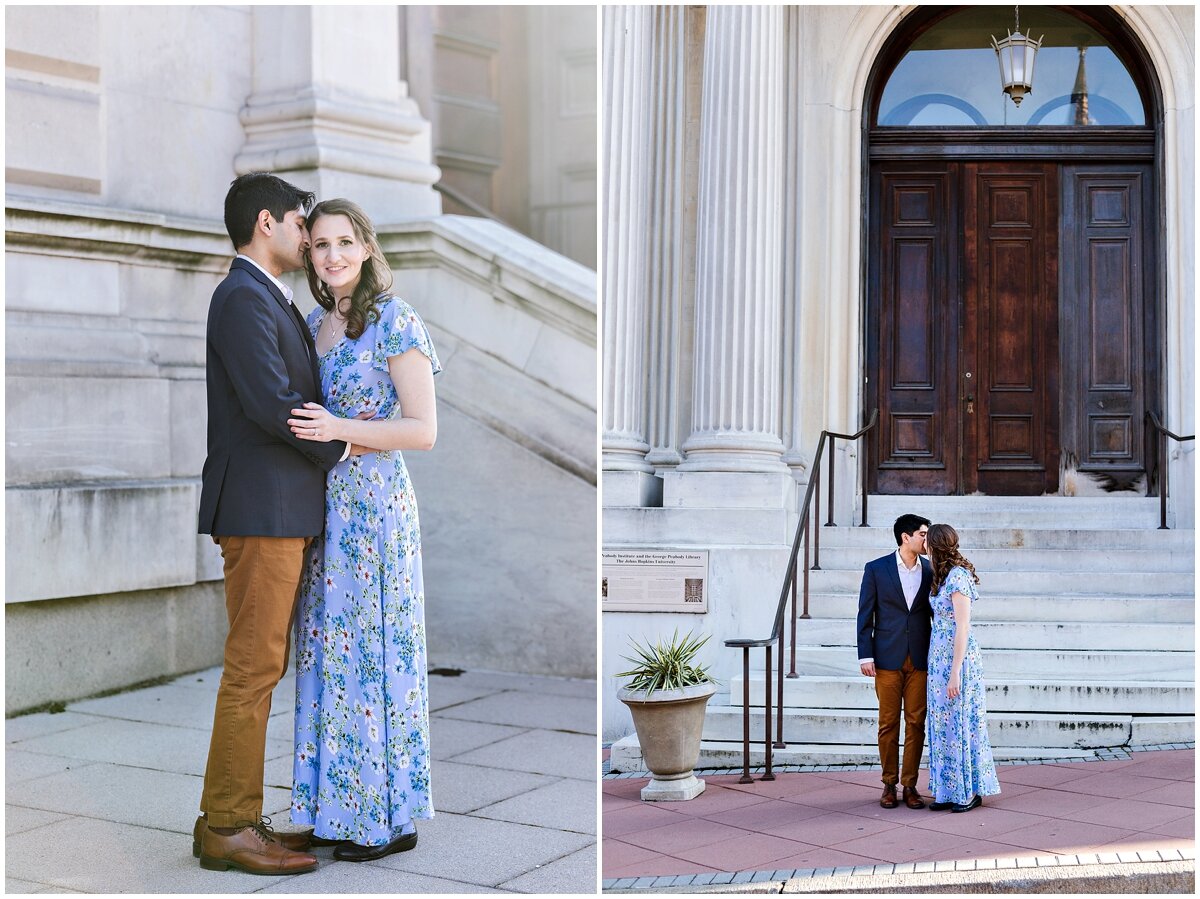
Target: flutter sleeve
x,y
399,330
960,581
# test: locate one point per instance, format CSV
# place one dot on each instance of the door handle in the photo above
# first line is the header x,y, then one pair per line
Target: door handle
x,y
970,404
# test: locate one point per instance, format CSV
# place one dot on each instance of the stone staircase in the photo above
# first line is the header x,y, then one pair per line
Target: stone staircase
x,y
1085,618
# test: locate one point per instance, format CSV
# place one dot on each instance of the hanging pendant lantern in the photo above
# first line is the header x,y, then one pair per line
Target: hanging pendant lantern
x,y
1016,54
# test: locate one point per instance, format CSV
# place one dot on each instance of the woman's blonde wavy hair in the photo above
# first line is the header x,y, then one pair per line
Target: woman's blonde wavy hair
x,y
376,276
942,541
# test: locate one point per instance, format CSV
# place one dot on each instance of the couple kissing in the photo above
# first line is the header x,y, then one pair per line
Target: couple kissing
x,y
915,640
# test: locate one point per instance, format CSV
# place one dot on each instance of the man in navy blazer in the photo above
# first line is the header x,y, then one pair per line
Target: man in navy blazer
x,y
263,500
894,621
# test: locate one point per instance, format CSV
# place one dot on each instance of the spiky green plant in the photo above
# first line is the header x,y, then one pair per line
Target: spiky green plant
x,y
667,666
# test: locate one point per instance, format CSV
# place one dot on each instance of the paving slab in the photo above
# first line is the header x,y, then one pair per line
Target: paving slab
x,y
530,683
550,712
12,885
27,727
355,877
18,819
168,704
120,858
461,789
563,805
133,743
20,766
450,738
165,800
446,692
540,752
575,873
482,851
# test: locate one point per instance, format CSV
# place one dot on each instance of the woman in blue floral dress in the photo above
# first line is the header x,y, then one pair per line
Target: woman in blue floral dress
x,y
961,769
361,767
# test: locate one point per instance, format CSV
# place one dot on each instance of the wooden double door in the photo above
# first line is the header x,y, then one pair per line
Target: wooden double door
x,y
1009,323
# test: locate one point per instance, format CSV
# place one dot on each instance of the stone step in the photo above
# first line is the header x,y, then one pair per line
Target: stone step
x,y
1109,666
1002,561
1115,513
1008,695
881,540
860,726
1041,583
627,754
1035,636
1004,606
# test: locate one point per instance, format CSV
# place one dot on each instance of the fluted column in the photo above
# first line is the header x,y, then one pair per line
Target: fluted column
x,y
736,392
667,251
627,49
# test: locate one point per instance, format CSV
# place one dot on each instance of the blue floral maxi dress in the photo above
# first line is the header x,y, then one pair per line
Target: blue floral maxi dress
x,y
361,767
960,754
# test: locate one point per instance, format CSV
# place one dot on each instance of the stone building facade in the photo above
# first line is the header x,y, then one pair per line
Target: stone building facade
x,y
124,127
742,307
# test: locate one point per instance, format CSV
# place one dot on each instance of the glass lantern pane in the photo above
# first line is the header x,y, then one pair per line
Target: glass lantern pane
x,y
949,76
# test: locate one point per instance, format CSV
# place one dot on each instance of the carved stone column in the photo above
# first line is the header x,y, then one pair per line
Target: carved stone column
x,y
332,114
667,238
738,375
628,48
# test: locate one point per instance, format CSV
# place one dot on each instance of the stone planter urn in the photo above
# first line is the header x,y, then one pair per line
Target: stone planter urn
x,y
668,724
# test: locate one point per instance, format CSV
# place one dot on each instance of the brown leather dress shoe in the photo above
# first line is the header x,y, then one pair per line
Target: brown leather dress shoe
x,y
912,798
253,850
297,842
888,799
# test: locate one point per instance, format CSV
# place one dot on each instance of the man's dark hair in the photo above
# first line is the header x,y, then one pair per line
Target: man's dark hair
x,y
908,524
253,192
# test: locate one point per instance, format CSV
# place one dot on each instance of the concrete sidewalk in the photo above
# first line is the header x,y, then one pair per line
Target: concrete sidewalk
x,y
1124,824
102,797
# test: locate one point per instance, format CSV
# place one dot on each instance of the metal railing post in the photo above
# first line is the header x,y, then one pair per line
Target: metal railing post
x,y
746,778
865,459
805,615
816,565
779,744
792,672
767,718
832,444
1164,464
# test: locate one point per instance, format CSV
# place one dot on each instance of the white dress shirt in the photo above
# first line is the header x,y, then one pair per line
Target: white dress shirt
x,y
910,579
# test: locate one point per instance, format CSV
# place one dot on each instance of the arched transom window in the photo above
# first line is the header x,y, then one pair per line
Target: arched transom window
x,y
949,76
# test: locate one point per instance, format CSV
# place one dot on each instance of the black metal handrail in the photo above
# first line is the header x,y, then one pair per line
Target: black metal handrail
x,y
812,499
1163,465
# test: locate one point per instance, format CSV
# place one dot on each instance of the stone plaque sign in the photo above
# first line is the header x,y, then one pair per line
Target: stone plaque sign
x,y
634,580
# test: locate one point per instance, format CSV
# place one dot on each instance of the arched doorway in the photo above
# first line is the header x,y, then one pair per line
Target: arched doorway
x,y
1012,285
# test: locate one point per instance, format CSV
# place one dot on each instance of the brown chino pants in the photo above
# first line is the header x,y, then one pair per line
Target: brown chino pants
x,y
895,688
262,579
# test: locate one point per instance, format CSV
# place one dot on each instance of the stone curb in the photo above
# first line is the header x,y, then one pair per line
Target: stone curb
x,y
1162,871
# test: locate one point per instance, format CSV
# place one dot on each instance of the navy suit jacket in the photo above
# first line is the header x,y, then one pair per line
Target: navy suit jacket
x,y
887,629
259,479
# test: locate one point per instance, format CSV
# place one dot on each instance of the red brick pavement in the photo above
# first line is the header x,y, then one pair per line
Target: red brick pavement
x,y
831,819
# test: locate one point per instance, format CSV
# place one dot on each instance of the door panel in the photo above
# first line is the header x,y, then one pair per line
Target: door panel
x,y
1008,383
911,331
1106,339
